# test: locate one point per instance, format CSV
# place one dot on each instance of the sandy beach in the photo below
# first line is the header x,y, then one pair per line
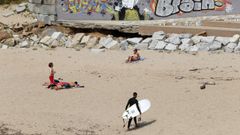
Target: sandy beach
x,y
170,81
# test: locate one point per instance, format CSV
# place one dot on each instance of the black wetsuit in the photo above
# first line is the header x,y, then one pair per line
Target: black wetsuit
x,y
131,102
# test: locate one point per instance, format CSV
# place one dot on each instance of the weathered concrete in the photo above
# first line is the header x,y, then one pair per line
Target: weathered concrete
x,y
215,31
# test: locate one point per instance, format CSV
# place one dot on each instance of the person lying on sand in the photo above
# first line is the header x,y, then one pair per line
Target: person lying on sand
x,y
48,84
134,57
66,85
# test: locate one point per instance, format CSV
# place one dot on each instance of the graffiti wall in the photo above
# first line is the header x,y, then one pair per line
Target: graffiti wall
x,y
130,10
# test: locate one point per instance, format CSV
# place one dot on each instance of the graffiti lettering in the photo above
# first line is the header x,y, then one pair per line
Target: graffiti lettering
x,y
166,8
132,10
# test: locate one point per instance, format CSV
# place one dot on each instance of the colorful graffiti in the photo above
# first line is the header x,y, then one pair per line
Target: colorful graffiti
x,y
142,9
165,8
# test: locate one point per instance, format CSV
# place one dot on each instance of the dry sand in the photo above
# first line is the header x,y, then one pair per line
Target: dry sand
x,y
179,107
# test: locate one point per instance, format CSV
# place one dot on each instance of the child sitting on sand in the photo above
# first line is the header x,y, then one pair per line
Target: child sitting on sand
x,y
134,57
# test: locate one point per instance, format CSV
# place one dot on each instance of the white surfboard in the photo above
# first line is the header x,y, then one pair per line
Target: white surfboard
x,y
132,111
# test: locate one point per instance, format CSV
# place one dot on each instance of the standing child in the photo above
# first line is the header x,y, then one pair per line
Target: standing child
x,y
52,72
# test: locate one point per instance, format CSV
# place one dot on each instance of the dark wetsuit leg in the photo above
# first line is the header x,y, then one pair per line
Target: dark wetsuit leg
x,y
129,122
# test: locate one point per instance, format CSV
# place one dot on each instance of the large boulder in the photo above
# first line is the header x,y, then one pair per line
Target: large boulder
x,y
160,45
230,47
237,49
160,35
208,39
215,46
235,38
174,39
57,35
10,42
124,45
105,40
92,42
112,45
203,46
78,37
142,46
185,47
196,39
223,40
147,41
85,39
153,44
20,8
171,47
135,40
187,41
24,44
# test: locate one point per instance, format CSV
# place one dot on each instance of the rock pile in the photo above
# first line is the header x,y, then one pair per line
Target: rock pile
x,y
26,36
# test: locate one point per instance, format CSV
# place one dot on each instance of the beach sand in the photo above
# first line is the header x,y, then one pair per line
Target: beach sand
x,y
179,106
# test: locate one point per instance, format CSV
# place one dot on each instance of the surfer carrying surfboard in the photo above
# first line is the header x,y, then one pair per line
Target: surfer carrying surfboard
x,y
131,102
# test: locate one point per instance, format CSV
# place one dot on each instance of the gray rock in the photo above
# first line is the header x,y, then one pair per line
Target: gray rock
x,y
186,35
235,39
223,40
55,44
147,41
24,44
134,41
92,42
174,39
4,47
230,47
47,40
8,14
142,46
23,4
153,44
215,46
160,35
187,41
10,42
208,39
57,35
47,32
85,39
124,45
203,46
97,50
105,40
78,37
112,45
185,47
160,45
193,48
196,39
171,47
35,38
237,49
20,9
69,43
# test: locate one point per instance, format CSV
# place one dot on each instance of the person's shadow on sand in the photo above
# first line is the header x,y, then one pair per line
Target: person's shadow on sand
x,y
143,124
